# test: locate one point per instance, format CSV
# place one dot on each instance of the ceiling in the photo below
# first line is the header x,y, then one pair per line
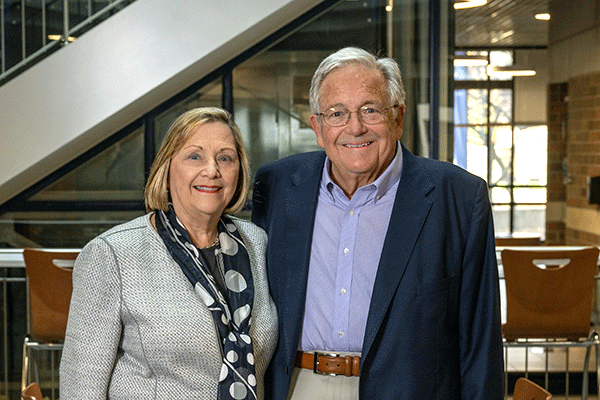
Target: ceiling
x,y
502,23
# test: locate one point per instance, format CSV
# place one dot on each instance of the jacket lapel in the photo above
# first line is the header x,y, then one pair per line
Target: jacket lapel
x,y
299,214
409,213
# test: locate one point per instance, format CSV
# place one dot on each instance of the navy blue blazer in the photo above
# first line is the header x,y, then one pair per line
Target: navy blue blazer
x,y
433,329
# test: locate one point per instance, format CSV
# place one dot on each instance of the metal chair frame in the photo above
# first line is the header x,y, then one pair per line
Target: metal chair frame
x,y
593,341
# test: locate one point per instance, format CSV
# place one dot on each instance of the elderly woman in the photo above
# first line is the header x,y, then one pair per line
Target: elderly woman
x,y
175,304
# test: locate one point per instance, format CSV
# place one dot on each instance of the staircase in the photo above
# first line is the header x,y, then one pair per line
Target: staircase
x,y
116,72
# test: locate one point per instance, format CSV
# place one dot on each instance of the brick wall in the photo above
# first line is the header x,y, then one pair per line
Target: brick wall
x,y
583,159
557,152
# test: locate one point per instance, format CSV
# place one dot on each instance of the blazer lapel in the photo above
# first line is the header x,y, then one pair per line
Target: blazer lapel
x,y
299,215
409,213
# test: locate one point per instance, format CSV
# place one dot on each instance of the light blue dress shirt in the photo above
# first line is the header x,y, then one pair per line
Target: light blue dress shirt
x,y
347,242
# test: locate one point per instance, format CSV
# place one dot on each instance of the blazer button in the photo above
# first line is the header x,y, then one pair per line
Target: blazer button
x,y
287,370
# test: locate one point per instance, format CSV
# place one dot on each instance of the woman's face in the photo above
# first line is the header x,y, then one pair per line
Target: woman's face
x,y
204,173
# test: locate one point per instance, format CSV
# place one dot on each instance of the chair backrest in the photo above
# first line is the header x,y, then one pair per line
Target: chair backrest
x,y
518,241
528,390
32,392
50,288
550,302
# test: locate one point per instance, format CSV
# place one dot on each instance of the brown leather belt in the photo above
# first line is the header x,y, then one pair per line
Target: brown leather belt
x,y
328,363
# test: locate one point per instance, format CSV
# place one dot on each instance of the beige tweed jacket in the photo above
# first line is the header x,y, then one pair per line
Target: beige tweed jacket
x,y
138,330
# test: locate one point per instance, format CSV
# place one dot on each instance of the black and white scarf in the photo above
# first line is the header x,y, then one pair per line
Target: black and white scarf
x,y
232,315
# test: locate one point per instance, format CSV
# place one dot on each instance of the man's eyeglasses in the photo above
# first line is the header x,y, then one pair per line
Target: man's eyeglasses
x,y
337,117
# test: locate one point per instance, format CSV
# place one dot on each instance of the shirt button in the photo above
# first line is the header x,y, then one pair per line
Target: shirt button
x,y
351,212
346,251
341,333
343,291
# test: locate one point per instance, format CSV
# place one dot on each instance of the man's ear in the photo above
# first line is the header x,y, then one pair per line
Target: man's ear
x,y
316,126
401,109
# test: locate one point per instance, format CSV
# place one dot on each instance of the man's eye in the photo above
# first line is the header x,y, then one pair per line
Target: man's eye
x,y
336,114
370,110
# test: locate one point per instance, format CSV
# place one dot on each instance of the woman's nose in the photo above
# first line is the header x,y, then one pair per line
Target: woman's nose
x,y
211,169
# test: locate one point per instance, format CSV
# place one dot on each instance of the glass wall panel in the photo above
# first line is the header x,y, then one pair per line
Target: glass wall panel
x,y
531,155
500,195
465,71
471,106
117,173
207,96
57,229
501,106
477,152
271,104
12,33
501,154
501,215
530,219
501,58
516,153
530,195
477,110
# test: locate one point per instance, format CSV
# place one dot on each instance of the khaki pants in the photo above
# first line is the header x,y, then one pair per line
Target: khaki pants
x,y
306,385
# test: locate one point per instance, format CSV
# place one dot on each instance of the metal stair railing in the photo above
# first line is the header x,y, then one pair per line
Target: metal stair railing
x,y
48,45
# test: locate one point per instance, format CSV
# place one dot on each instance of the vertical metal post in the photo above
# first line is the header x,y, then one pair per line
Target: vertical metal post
x,y
23,38
149,143
526,361
227,91
505,372
66,21
434,79
566,376
2,39
44,33
390,28
5,335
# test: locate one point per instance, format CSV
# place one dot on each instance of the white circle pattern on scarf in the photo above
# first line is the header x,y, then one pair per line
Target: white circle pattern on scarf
x,y
235,281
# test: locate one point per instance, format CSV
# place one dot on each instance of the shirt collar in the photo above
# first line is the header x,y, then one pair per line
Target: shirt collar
x,y
382,184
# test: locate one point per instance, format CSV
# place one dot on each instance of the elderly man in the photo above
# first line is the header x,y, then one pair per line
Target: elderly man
x,y
382,264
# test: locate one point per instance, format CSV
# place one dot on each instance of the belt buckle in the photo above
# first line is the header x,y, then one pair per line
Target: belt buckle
x,y
316,362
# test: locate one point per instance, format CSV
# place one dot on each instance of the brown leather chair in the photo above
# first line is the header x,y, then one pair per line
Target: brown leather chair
x,y
49,295
32,392
549,297
528,390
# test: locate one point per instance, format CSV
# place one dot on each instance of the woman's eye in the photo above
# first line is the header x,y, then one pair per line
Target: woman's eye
x,y
194,157
225,159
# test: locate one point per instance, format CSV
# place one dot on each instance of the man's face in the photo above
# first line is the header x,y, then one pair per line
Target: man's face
x,y
359,152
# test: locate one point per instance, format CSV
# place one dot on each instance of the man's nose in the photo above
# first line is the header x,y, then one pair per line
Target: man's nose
x,y
355,124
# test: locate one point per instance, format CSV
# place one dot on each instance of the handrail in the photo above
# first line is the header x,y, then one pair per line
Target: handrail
x,y
45,50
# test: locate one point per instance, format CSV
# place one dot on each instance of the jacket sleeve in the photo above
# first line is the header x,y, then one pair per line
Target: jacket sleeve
x,y
94,325
481,360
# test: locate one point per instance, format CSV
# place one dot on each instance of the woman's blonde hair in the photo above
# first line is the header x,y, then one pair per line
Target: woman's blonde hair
x,y
156,194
